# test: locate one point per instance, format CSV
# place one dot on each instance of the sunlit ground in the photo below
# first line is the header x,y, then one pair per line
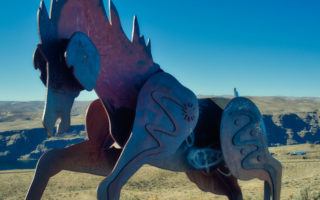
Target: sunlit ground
x,y
301,180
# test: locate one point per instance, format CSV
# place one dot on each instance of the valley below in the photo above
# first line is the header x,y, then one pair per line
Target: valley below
x,y
293,131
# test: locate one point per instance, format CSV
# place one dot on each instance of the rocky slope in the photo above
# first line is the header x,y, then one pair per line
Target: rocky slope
x,y
31,144
292,128
288,121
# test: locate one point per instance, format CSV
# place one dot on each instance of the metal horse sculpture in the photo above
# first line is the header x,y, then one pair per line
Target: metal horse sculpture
x,y
143,114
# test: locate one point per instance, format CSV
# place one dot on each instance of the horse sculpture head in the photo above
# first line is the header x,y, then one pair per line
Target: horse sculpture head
x,y
64,65
81,49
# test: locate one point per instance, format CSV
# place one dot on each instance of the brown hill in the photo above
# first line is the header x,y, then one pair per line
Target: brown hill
x,y
289,120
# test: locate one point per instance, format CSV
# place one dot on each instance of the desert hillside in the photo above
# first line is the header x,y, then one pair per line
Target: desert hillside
x,y
17,115
288,120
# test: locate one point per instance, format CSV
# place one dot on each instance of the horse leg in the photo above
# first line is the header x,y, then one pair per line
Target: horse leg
x,y
89,156
216,183
166,114
78,158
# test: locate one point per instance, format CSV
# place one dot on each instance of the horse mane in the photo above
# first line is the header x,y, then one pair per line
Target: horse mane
x,y
89,16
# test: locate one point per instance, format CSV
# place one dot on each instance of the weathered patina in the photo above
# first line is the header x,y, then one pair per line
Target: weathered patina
x,y
143,114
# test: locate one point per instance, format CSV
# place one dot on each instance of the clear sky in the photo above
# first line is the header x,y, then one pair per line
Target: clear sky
x,y
265,47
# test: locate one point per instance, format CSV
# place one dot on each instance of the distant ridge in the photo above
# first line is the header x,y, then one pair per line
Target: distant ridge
x,y
289,120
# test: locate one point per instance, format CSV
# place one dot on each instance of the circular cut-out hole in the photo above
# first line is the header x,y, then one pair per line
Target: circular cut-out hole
x,y
236,122
243,151
259,158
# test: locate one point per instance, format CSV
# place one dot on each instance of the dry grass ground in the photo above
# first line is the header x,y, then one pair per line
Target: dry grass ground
x,y
301,181
301,175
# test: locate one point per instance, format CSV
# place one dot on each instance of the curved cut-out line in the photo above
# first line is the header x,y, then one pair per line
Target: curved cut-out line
x,y
254,142
153,132
157,97
228,174
236,141
152,152
143,154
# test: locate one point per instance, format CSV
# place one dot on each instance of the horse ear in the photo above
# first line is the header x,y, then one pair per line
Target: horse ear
x,y
83,56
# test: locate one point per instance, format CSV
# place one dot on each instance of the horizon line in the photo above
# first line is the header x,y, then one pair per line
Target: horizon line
x,y
198,95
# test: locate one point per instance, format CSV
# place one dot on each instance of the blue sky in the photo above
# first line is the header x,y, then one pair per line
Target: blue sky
x,y
265,47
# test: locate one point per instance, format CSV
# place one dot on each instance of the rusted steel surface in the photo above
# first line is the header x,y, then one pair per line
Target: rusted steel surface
x,y
244,145
143,115
118,53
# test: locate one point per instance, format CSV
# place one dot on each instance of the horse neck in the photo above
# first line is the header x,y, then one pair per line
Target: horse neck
x,y
120,87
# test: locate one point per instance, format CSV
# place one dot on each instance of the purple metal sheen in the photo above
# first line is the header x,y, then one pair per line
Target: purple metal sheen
x,y
143,110
83,57
125,65
167,113
244,146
